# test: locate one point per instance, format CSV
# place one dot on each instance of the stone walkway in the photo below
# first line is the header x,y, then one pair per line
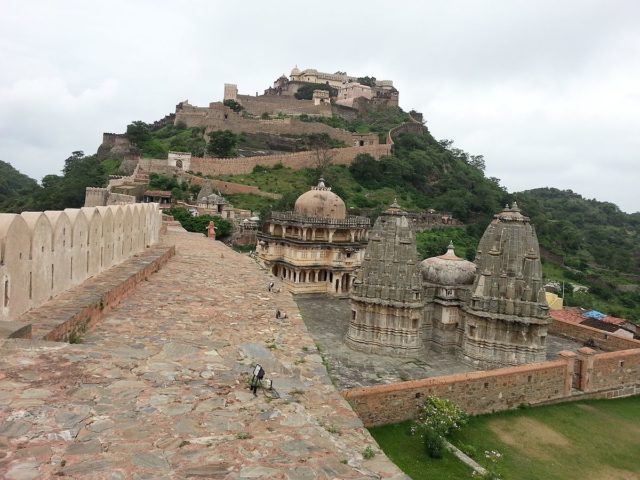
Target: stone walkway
x,y
159,389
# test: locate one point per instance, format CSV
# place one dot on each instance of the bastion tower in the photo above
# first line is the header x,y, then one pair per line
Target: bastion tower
x,y
507,317
386,299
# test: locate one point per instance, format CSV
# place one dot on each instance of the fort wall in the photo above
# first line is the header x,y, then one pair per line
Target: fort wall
x,y
572,377
45,253
100,197
296,161
274,105
218,117
603,340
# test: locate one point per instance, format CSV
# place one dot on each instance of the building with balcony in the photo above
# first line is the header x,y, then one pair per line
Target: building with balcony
x,y
317,247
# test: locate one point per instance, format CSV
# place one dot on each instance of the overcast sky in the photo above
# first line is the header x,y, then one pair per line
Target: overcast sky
x,y
547,91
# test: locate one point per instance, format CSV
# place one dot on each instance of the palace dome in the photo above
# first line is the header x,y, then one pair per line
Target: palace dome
x,y
320,202
295,71
448,269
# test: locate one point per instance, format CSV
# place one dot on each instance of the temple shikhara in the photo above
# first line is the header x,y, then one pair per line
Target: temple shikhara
x,y
492,312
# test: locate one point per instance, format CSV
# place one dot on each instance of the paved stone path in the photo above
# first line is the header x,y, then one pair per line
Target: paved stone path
x,y
159,389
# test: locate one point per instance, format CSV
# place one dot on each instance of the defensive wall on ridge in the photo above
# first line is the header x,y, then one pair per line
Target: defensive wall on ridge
x,y
239,166
231,188
45,253
99,197
574,376
218,117
279,104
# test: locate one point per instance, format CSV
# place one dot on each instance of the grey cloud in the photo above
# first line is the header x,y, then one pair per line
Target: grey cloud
x,y
546,90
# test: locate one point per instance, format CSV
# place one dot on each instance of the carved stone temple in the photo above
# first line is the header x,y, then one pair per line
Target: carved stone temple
x,y
386,301
492,312
316,247
507,317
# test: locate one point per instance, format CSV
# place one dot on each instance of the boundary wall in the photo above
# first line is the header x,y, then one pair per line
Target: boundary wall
x,y
45,253
602,340
218,117
244,165
586,374
296,161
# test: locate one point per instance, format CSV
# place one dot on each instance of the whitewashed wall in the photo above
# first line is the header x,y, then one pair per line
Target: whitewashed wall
x,y
45,253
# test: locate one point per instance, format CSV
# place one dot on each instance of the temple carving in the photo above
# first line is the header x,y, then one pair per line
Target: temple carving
x,y
491,313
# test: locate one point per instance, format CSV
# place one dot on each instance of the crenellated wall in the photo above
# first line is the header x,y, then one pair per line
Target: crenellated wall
x,y
45,253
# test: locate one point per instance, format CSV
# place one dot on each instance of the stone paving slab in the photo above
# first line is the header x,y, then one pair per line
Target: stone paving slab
x,y
159,389
83,305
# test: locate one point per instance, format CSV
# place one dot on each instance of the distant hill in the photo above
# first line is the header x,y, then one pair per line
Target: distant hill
x,y
17,190
587,233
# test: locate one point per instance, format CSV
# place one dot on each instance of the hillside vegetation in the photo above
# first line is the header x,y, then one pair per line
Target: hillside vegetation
x,y
584,242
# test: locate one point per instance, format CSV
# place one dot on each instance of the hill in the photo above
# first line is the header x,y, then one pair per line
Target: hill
x,y
17,190
583,241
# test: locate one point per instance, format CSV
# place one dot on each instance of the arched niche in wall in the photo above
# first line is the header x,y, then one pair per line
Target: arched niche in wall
x,y
62,250
106,250
80,226
41,255
15,243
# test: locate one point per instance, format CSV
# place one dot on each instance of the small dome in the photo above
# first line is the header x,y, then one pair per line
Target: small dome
x,y
320,202
295,71
448,269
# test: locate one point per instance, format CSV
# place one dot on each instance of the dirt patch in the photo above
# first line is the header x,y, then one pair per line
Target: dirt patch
x,y
635,429
610,473
529,436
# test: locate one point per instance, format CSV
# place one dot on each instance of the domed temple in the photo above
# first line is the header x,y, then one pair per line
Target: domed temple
x,y
446,281
316,247
492,312
386,301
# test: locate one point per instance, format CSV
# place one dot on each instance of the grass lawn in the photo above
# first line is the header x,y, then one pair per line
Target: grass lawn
x,y
597,439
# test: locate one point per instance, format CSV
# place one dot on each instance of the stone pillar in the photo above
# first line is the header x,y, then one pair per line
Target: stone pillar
x,y
284,231
585,356
570,359
313,234
331,232
271,228
353,235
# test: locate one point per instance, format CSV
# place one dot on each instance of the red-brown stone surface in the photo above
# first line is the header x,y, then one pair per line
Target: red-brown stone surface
x,y
158,389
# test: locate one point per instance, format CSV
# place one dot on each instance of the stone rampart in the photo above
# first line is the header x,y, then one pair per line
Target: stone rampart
x,y
296,161
218,117
230,188
603,340
598,375
45,253
100,197
286,105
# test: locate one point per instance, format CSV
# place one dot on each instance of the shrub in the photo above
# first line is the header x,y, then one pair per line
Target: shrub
x,y
438,418
441,415
433,443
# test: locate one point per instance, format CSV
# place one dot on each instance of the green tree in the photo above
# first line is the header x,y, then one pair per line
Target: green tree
x,y
222,143
305,92
233,105
138,133
68,190
369,81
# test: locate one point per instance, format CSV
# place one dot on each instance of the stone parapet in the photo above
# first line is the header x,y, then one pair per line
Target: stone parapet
x,y
300,220
45,253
